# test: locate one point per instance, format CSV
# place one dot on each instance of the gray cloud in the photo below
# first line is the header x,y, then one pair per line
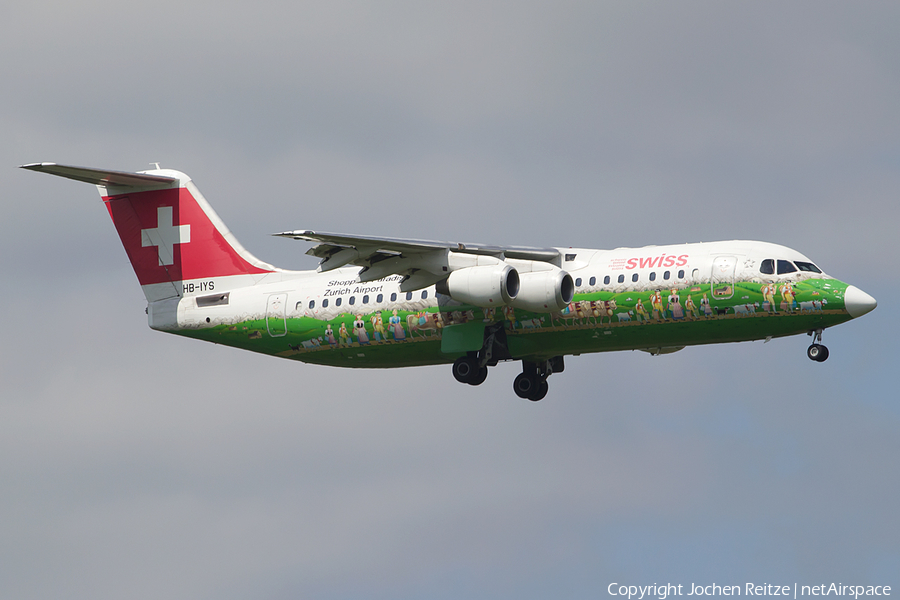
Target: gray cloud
x,y
142,465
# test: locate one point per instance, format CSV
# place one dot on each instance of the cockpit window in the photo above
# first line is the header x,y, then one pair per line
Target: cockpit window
x,y
767,267
807,266
786,266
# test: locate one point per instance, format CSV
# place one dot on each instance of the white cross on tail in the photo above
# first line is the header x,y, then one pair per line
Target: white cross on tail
x,y
165,235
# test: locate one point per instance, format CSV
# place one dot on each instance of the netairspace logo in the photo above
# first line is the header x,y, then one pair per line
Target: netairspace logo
x,y
638,592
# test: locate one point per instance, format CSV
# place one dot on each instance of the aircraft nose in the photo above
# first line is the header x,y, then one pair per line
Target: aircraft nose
x,y
858,302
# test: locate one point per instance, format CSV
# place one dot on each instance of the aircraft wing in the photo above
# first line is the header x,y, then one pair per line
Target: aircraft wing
x,y
420,262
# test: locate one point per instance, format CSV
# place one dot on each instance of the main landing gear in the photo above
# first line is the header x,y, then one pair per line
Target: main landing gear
x,y
817,351
531,383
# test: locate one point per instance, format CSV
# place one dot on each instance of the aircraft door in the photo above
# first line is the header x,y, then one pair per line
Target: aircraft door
x,y
722,277
276,308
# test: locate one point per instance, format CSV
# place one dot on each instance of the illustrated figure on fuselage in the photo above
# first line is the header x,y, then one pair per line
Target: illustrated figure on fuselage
x,y
768,292
675,309
396,325
693,311
641,312
378,328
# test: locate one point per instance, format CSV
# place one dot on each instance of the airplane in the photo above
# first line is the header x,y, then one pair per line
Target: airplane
x,y
383,302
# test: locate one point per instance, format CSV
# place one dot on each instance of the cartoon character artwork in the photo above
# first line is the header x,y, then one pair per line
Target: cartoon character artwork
x,y
510,313
489,313
581,311
359,329
422,321
659,310
745,310
566,315
675,309
692,311
532,323
344,335
329,335
438,322
641,313
378,328
598,308
609,309
396,326
787,297
768,293
705,307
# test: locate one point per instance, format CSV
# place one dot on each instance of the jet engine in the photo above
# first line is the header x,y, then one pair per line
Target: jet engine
x,y
485,286
544,291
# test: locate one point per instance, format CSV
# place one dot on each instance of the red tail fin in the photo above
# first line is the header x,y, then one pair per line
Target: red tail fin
x,y
170,232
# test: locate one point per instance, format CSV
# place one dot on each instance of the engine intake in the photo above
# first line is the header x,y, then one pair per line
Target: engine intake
x,y
484,286
544,291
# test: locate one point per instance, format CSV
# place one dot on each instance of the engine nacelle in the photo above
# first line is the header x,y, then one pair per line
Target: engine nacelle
x,y
544,291
484,286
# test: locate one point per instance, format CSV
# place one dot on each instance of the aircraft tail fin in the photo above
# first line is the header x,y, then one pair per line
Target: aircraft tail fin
x,y
174,239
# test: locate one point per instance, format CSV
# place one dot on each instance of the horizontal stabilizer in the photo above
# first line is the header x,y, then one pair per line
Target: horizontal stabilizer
x,y
100,176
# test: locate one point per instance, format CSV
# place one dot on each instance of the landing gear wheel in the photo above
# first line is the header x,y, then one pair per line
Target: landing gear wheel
x,y
525,385
479,376
817,352
539,392
465,370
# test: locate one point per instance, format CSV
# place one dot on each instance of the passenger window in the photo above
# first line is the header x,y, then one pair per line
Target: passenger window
x,y
312,303
394,297
409,295
634,277
621,279
578,282
379,298
785,266
767,267
325,303
338,302
606,280
653,276
593,281
366,299
666,275
352,300
807,266
424,294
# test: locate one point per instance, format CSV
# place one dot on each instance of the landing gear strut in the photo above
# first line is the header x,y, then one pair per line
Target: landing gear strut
x,y
817,351
531,383
473,368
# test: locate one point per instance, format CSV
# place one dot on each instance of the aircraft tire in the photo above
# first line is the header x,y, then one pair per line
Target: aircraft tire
x,y
478,377
465,370
540,391
817,352
524,385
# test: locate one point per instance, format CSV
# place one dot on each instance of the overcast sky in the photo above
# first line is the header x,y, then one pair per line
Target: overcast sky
x,y
139,465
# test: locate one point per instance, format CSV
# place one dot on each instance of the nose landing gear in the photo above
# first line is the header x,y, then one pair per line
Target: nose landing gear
x,y
817,351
